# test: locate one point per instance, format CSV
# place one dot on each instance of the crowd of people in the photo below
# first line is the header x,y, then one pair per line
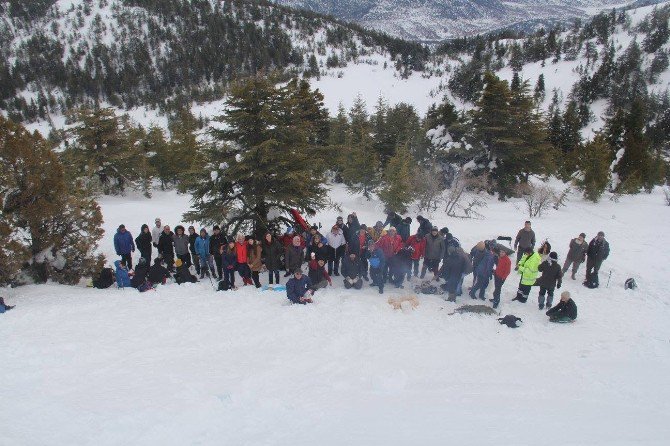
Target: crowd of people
x,y
385,254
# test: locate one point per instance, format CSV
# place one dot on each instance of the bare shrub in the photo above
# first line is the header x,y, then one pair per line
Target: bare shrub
x,y
538,199
463,181
428,187
561,199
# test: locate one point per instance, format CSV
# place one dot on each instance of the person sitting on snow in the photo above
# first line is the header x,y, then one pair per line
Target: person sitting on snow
x,y
122,274
318,274
564,311
351,270
183,275
158,274
3,306
299,288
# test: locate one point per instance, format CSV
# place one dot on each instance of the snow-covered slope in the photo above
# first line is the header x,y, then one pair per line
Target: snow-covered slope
x,y
186,365
435,20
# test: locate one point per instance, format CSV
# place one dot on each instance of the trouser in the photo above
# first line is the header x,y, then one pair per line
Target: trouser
x,y
196,262
575,265
229,276
386,272
186,259
219,265
414,267
522,293
429,264
550,296
206,265
592,268
364,268
498,284
256,276
245,272
320,285
273,274
353,282
128,258
560,319
480,285
334,264
377,276
459,287
146,255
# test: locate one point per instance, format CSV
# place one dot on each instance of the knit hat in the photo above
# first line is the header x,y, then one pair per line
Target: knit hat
x,y
178,263
582,235
601,234
553,256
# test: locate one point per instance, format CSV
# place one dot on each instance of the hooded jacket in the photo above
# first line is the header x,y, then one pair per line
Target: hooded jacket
x,y
552,274
123,242
567,309
598,251
296,288
577,252
144,240
390,245
528,268
202,246
485,265
166,244
294,258
254,257
418,246
122,275
434,247
180,243
351,268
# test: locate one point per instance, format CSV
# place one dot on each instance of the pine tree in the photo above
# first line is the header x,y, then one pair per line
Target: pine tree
x,y
56,224
593,164
397,192
361,169
270,155
539,88
634,166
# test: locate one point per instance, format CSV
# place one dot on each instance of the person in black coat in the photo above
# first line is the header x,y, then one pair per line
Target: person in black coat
x,y
564,311
271,257
144,243
141,271
321,251
166,247
551,278
353,227
192,237
599,250
158,274
351,271
183,275
425,226
452,270
216,241
393,219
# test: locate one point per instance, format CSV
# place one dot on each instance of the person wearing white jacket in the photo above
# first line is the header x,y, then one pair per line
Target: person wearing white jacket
x,y
338,246
156,232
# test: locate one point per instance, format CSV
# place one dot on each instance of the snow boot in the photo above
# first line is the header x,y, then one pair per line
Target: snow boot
x,y
572,276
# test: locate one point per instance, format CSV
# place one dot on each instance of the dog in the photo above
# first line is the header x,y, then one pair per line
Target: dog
x,y
396,302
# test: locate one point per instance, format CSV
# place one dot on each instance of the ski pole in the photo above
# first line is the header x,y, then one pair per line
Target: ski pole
x,y
608,279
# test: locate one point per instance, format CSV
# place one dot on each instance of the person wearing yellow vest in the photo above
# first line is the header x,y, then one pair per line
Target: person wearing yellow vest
x,y
528,268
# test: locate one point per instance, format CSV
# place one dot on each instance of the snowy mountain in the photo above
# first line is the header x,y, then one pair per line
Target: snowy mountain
x,y
431,20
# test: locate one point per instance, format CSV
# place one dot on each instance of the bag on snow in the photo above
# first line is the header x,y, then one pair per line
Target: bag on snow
x,y
105,279
146,286
224,285
510,320
630,284
591,284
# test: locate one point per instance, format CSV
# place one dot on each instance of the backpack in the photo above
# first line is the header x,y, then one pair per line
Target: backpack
x,y
105,279
145,286
630,284
510,320
374,262
224,285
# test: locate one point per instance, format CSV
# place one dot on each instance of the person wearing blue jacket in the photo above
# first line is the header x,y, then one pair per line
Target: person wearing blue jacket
x,y
122,274
299,288
205,258
377,264
124,245
483,272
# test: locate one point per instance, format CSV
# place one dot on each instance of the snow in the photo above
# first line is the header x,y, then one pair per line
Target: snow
x,y
186,365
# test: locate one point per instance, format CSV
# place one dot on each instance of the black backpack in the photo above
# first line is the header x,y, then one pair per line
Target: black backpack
x,y
224,285
105,279
630,284
510,320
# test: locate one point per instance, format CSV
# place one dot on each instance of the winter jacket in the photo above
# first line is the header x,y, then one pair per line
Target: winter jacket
x,y
191,242
141,272
144,240
452,270
503,267
434,247
418,246
229,259
293,258
353,227
122,275
318,273
351,268
335,240
390,245
296,288
477,254
577,252
403,230
358,244
320,252
272,253
183,275
180,244
525,239
425,226
528,268
375,234
598,251
254,257
377,259
566,309
156,232
393,219
242,251
552,274
165,244
485,266
215,243
123,242
202,247
467,260
157,273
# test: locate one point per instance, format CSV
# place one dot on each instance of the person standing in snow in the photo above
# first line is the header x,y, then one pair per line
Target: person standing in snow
x,y
255,260
229,263
156,232
417,244
503,268
124,245
353,227
434,252
204,257
404,228
166,247
242,251
390,244
272,252
425,226
576,255
144,243
483,272
294,255
551,279
377,264
299,288
338,248
216,241
452,271
564,311
524,239
528,268
181,248
345,230
192,237
599,250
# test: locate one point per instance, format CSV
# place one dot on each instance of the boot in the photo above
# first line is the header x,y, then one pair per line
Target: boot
x,y
572,276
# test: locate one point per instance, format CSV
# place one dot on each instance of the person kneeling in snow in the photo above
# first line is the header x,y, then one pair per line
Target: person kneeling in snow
x,y
183,275
122,274
564,311
318,274
351,270
299,288
158,274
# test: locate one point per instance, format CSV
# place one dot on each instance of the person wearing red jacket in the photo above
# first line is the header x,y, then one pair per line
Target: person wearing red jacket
x,y
417,243
503,268
241,245
318,274
390,244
